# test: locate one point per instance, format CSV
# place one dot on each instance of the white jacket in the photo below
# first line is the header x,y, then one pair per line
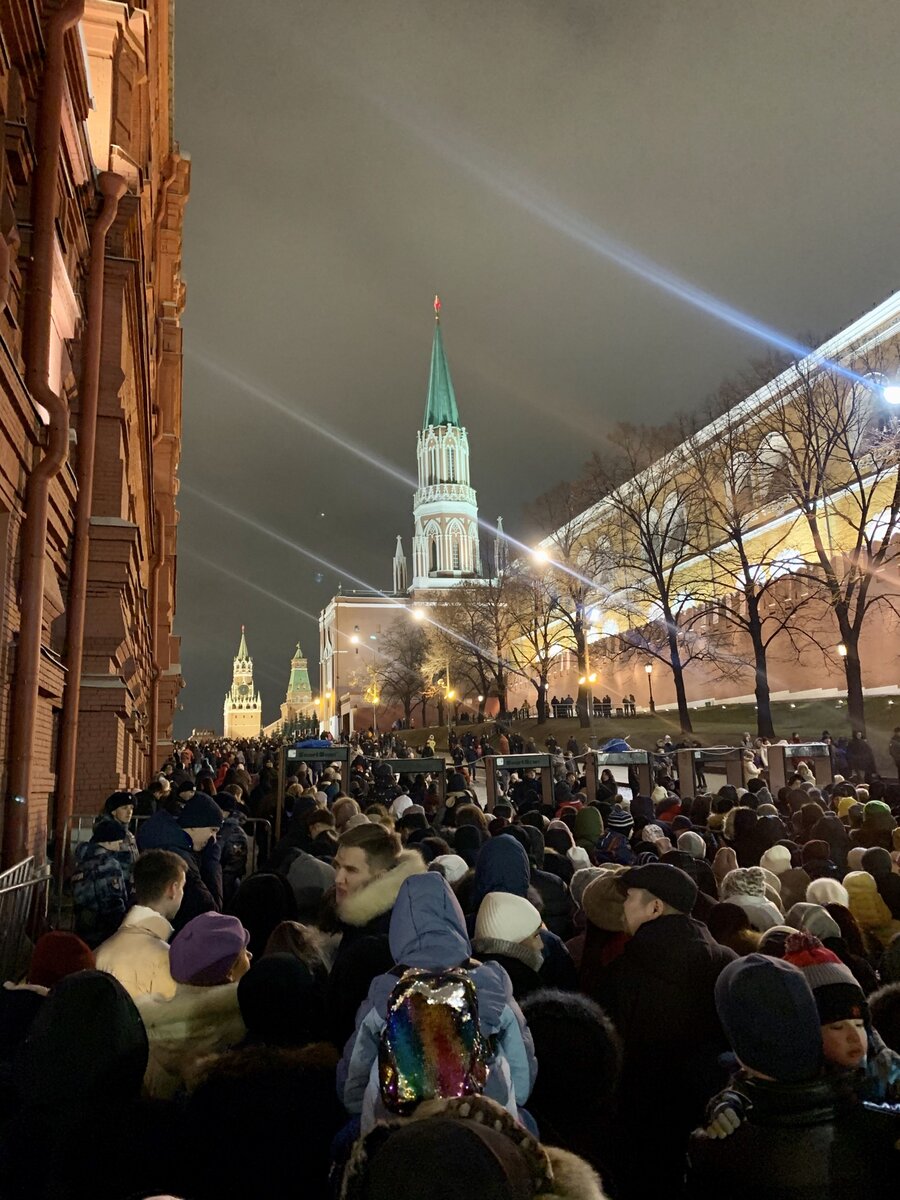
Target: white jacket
x,y
138,954
192,1024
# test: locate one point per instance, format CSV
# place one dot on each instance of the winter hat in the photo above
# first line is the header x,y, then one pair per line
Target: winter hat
x,y
559,837
453,866
652,833
56,955
356,819
619,820
878,862
814,919
578,857
766,810
659,793
664,881
774,939
855,855
770,1018
837,994
814,851
506,918
776,859
118,800
827,891
280,1000
204,951
603,901
744,881
107,830
200,812
844,805
400,805
582,878
692,844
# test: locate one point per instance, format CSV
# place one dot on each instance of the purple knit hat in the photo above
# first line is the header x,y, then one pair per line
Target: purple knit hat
x,y
204,951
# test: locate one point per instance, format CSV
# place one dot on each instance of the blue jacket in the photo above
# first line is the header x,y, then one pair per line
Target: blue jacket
x,y
428,930
100,892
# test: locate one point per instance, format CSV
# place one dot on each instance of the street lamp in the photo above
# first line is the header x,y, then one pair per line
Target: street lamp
x,y
540,555
418,614
649,670
842,649
355,639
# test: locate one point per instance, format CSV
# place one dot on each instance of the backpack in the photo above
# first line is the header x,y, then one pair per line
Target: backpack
x,y
431,1046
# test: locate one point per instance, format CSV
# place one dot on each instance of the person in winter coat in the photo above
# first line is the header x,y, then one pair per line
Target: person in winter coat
x,y
690,856
508,932
503,866
669,966
814,919
192,835
428,931
746,887
207,958
793,880
234,845
370,868
803,1135
883,870
872,914
100,888
470,1147
861,757
119,807
138,955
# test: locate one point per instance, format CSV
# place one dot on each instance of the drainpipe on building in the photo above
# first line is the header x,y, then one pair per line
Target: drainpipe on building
x,y
36,352
156,566
112,187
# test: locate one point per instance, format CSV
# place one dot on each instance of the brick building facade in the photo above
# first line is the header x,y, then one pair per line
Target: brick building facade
x,y
92,194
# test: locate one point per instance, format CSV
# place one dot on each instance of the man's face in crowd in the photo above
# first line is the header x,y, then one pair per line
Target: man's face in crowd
x,y
123,813
639,908
352,871
845,1042
200,835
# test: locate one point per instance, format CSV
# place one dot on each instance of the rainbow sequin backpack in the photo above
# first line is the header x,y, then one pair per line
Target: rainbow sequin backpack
x,y
431,1046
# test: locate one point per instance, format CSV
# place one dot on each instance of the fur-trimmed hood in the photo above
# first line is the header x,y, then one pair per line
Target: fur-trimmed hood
x,y
378,897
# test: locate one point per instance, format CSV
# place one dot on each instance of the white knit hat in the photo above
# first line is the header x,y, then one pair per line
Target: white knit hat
x,y
454,866
776,859
400,805
506,918
659,793
692,843
578,857
827,891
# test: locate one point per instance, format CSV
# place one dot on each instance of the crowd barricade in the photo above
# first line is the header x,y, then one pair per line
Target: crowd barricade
x,y
259,839
24,905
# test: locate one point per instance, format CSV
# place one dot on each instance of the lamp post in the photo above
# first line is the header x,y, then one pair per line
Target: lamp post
x,y
649,670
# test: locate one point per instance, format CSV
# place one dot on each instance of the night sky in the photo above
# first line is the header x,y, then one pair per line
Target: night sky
x,y
353,157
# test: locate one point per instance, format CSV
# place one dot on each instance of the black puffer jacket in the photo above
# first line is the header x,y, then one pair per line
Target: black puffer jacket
x,y
807,1141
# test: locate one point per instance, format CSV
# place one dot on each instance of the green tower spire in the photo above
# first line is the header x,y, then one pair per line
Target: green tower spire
x,y
440,407
243,652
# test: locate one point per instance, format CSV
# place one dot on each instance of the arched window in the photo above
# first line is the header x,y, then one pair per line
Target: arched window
x,y
451,464
432,554
772,480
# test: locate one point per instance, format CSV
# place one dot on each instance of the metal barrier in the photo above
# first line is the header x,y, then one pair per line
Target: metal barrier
x,y
24,903
694,764
258,830
519,762
783,761
627,761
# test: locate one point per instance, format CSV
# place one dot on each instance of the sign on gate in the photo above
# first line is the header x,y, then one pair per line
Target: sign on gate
x,y
522,762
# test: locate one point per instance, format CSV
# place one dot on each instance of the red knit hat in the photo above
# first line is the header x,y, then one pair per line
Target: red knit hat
x,y
56,955
804,950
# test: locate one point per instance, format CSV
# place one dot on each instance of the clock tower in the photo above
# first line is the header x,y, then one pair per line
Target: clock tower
x,y
243,706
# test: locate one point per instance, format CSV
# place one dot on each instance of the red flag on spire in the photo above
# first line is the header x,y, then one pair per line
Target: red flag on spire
x,y
437,308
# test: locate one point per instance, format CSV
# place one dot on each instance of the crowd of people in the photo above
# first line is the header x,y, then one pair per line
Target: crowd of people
x,y
410,996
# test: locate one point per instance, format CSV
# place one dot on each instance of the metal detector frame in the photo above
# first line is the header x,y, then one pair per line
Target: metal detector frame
x,y
730,756
318,754
518,762
817,753
436,767
596,760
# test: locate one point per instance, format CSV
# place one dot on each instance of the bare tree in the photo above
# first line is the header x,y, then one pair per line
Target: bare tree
x,y
752,590
830,445
473,628
648,507
532,599
576,558
399,670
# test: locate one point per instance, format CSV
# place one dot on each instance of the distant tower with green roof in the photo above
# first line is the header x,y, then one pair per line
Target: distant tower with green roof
x,y
299,693
445,542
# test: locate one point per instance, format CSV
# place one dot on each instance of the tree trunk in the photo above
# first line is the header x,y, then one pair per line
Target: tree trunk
x,y
684,715
407,710
856,705
764,724
440,712
542,702
582,703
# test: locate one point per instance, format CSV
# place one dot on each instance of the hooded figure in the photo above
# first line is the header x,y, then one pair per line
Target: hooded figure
x,y
79,1071
880,866
428,930
746,887
872,914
